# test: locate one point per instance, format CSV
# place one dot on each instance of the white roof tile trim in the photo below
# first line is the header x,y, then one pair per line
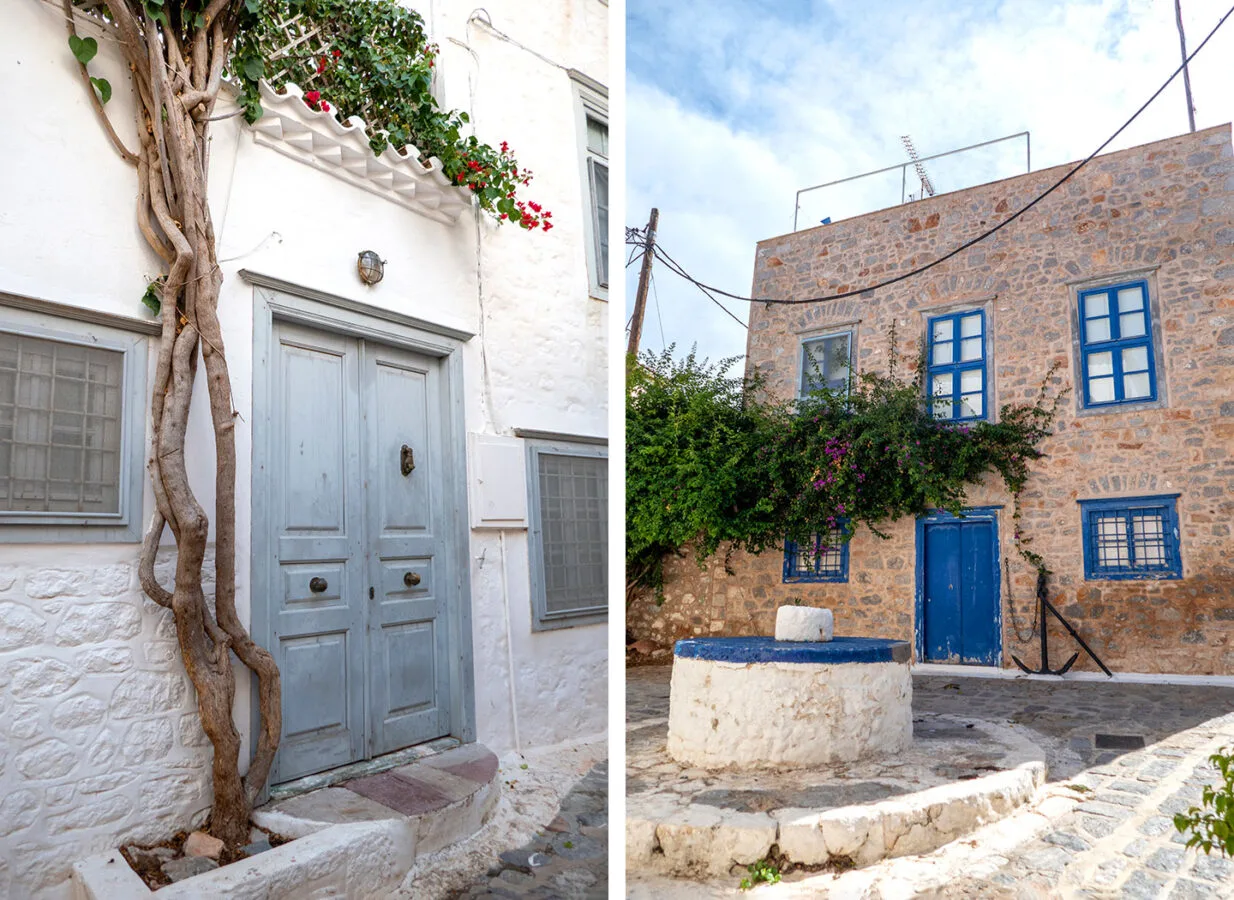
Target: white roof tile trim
x,y
319,139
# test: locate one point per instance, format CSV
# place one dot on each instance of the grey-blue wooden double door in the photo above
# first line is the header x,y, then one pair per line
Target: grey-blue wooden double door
x,y
354,563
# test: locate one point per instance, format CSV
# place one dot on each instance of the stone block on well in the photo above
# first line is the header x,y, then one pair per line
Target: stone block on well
x,y
804,623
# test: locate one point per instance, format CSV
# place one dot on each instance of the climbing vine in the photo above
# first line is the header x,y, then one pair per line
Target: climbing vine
x,y
373,60
711,460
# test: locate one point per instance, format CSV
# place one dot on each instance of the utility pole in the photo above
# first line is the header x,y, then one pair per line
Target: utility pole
x,y
1182,43
644,279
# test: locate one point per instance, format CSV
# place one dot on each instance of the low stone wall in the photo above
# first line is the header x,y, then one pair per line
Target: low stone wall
x,y
101,742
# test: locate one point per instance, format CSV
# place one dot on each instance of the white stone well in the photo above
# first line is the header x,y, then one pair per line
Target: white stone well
x,y
759,703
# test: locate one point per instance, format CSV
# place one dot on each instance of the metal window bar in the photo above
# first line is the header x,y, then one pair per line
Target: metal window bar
x,y
903,167
1131,540
823,556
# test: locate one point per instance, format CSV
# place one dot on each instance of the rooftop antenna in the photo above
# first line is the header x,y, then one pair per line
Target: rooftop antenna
x,y
927,186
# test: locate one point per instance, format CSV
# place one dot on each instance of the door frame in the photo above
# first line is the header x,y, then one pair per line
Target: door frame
x,y
277,300
937,517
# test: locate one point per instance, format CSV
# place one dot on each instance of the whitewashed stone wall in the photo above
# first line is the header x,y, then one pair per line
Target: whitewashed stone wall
x,y
101,741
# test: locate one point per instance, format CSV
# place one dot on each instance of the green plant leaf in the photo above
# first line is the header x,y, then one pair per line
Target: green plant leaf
x,y
254,68
253,6
103,86
151,300
83,48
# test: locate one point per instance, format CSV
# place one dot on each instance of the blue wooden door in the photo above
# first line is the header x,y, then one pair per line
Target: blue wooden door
x,y
356,568
960,617
408,647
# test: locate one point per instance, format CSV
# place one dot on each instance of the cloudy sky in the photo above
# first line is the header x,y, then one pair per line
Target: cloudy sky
x,y
733,105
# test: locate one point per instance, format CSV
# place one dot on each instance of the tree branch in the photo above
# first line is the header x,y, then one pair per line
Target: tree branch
x,y
126,154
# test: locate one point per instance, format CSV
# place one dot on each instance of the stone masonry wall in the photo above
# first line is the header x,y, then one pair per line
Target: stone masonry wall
x,y
1164,212
100,742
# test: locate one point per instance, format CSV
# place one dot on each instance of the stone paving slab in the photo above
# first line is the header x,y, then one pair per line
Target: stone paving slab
x,y
1101,829
566,860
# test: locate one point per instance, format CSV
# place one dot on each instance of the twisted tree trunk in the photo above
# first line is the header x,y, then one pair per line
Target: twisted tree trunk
x,y
176,67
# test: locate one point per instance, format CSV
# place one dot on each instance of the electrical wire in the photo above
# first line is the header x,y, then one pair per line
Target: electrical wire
x,y
677,269
656,296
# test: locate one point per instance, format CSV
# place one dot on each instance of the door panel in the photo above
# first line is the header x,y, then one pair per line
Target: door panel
x,y
407,633
318,635
942,596
979,638
960,615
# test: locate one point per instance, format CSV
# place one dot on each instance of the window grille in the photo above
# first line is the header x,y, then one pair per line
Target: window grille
x,y
569,535
823,558
60,426
1131,538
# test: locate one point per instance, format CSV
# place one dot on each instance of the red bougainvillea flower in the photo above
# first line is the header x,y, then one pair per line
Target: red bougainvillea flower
x,y
548,225
337,53
312,97
325,107
535,207
321,65
505,148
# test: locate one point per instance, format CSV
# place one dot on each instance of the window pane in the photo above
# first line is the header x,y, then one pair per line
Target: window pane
x,y
942,330
1111,541
1148,539
1130,299
1101,390
1097,330
970,380
45,389
599,212
1100,364
597,136
970,405
942,385
574,531
1135,359
1096,305
944,408
970,326
1136,386
1131,325
970,349
942,354
836,349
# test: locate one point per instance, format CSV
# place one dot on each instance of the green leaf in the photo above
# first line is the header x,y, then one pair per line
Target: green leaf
x,y
103,86
254,68
83,48
150,299
253,6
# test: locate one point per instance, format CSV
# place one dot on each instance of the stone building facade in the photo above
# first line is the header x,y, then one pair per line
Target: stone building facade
x,y
1131,507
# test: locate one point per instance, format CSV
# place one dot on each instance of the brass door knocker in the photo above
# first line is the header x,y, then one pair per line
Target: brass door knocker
x,y
406,460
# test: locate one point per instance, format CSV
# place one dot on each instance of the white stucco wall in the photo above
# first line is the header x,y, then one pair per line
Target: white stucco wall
x,y
77,641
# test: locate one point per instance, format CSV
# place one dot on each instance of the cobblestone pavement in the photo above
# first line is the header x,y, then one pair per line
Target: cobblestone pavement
x,y
1118,841
566,860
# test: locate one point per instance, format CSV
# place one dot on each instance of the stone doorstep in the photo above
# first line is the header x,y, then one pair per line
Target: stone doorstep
x,y
420,752
345,841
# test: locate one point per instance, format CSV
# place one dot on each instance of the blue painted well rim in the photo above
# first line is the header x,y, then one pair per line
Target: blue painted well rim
x,y
765,649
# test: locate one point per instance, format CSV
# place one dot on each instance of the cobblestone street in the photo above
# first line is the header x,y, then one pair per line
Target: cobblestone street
x,y
566,860
1130,755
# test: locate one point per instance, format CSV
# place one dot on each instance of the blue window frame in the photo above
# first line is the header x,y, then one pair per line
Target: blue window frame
x,y
1131,537
1116,345
956,366
824,558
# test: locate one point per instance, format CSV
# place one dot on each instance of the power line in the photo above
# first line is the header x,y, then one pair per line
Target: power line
x,y
672,264
656,296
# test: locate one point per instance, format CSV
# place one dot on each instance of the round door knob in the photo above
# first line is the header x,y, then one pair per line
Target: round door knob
x,y
411,579
317,584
